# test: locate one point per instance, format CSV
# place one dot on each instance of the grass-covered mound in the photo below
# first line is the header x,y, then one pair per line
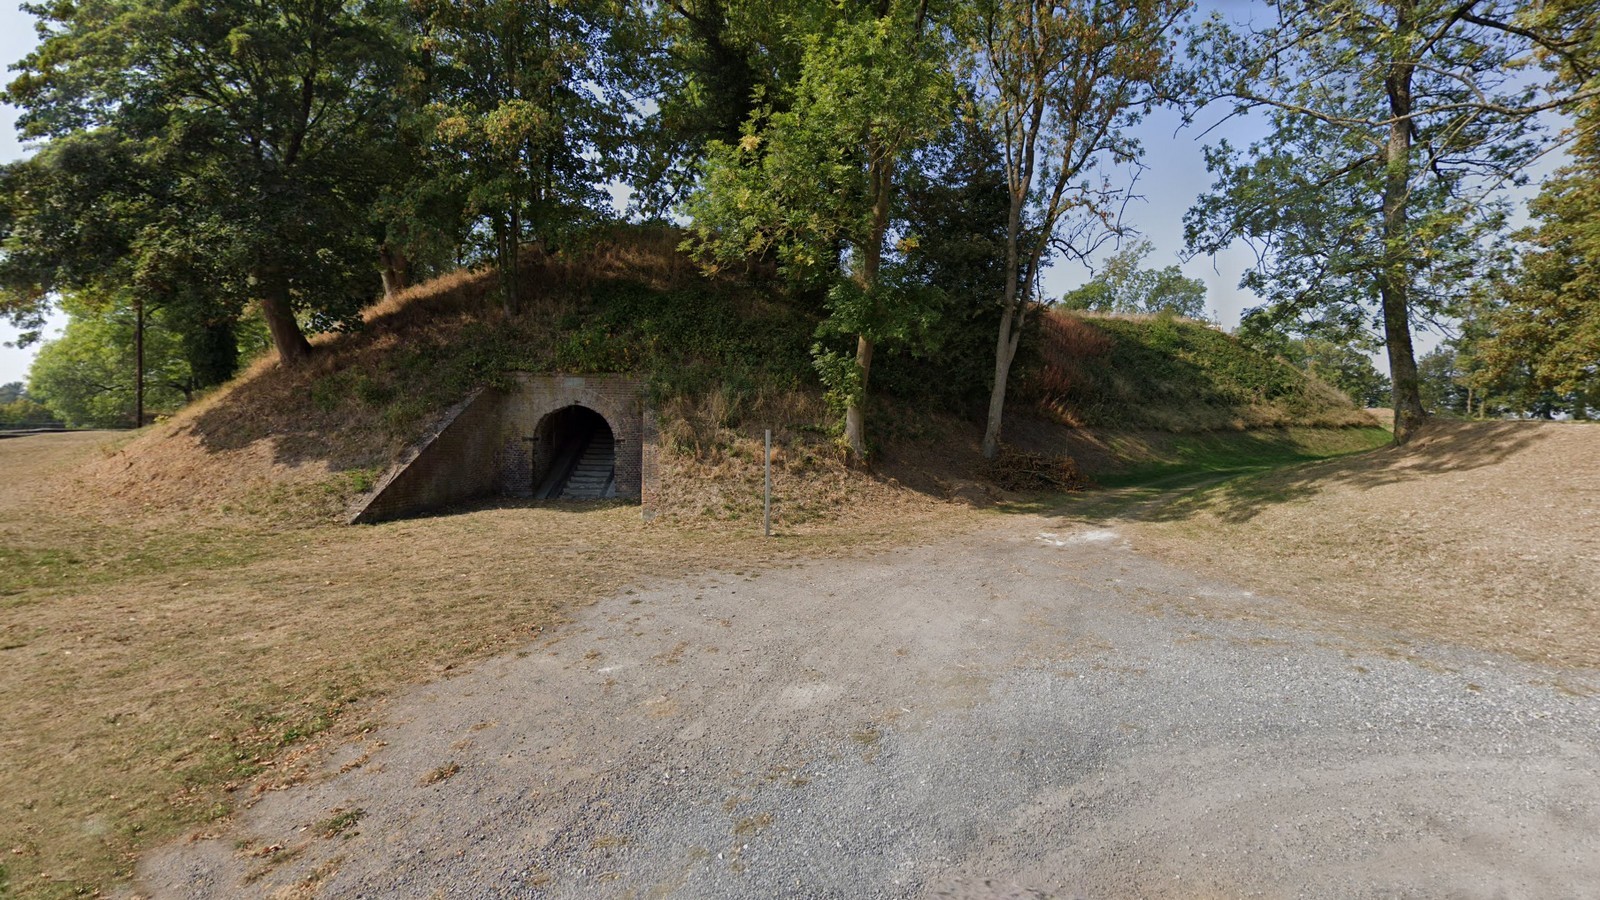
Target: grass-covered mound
x,y
1173,374
724,357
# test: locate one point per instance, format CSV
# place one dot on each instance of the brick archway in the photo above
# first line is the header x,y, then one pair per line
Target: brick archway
x,y
617,399
574,456
488,445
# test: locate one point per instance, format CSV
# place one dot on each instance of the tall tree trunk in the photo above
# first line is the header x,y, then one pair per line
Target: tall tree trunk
x,y
510,263
855,416
396,269
277,308
1394,287
1005,348
882,183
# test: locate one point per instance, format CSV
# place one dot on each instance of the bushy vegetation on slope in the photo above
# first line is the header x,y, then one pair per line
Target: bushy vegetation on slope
x,y
1173,374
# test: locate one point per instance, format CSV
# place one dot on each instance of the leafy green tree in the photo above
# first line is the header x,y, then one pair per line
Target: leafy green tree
x,y
1443,383
527,116
1059,83
955,221
17,408
87,376
260,131
1121,286
1549,323
1393,122
1346,367
715,64
819,184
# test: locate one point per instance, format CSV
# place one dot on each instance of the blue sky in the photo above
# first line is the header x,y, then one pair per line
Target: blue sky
x,y
16,39
1174,175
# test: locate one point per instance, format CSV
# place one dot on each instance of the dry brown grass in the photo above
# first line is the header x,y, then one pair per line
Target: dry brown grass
x,y
158,668
1485,534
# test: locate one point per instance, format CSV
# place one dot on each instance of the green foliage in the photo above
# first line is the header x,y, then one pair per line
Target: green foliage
x,y
719,61
524,117
1549,325
1346,367
956,210
1443,383
1121,286
797,182
17,408
690,342
816,185
1393,126
239,145
841,378
693,341
86,376
1168,373
1338,354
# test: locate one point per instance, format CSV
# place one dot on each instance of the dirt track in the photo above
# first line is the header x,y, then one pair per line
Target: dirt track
x,y
1028,711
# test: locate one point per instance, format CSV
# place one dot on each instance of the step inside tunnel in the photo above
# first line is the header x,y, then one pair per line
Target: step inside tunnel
x,y
575,456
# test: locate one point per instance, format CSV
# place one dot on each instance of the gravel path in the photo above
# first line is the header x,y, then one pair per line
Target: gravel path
x,y
1020,712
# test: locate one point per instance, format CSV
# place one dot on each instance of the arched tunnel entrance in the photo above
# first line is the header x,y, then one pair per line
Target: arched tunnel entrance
x,y
575,456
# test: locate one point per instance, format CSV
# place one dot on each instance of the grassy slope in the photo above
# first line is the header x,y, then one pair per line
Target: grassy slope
x,y
1159,372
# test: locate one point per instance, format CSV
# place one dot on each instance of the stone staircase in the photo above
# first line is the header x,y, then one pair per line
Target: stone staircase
x,y
593,477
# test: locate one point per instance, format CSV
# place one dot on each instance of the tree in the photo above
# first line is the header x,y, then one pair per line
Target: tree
x,y
1121,286
1549,322
818,184
526,115
267,125
1059,83
1346,367
714,65
1393,122
17,408
955,220
1442,383
88,377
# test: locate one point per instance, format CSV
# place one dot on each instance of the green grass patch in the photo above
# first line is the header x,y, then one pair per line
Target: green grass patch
x,y
70,554
1173,374
1181,459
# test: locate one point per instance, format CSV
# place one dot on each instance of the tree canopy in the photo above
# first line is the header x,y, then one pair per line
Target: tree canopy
x,y
1393,123
908,170
1122,286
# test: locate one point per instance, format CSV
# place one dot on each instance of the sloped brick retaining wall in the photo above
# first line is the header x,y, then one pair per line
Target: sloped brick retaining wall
x,y
488,446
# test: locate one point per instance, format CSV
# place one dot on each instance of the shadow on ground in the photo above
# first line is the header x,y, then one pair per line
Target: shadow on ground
x,y
1238,494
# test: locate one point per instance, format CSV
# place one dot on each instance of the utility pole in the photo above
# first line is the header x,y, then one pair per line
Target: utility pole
x,y
138,361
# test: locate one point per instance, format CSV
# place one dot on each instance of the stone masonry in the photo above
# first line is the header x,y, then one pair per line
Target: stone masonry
x,y
491,445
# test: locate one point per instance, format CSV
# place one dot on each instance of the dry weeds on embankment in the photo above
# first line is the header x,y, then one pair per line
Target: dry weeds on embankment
x,y
1481,533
